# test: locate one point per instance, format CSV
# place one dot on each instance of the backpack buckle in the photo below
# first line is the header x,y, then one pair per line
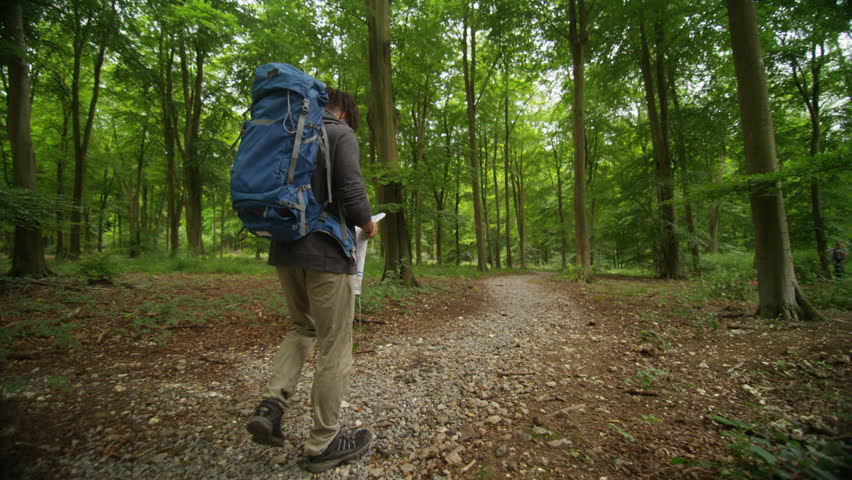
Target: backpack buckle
x,y
306,103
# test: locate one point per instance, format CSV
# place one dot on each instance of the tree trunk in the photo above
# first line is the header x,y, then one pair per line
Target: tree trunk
x,y
681,162
579,37
28,254
518,181
192,87
395,237
169,142
486,230
715,207
456,219
506,195
497,244
422,103
469,67
668,265
812,102
776,279
82,133
560,213
134,211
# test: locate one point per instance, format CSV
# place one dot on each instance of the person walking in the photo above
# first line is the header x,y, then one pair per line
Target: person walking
x,y
838,255
317,275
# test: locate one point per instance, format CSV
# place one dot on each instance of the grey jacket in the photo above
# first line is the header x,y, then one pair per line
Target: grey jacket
x,y
319,251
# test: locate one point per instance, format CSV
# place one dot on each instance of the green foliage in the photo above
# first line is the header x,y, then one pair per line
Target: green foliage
x,y
729,276
14,385
646,377
229,264
781,450
24,207
830,294
376,296
623,433
99,269
57,327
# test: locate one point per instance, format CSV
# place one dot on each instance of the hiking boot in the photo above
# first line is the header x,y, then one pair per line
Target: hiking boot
x,y
265,425
345,446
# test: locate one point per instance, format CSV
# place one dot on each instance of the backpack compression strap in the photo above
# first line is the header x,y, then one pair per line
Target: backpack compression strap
x,y
297,144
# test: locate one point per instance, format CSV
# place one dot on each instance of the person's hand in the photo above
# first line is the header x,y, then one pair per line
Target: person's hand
x,y
370,229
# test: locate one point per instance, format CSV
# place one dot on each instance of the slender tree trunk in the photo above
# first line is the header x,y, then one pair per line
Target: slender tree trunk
x,y
134,210
811,96
421,109
681,162
506,195
497,244
560,213
669,263
579,36
713,215
82,133
518,181
456,221
192,87
779,294
28,253
469,67
395,236
169,142
484,190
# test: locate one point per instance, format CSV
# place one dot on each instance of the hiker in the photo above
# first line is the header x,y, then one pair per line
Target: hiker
x,y
316,276
838,256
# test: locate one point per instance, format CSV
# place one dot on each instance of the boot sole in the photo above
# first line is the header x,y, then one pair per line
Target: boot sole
x,y
317,467
260,429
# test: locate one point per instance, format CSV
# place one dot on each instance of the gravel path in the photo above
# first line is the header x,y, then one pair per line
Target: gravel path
x,y
428,400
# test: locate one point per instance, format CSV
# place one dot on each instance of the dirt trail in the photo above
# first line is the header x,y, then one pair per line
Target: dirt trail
x,y
516,376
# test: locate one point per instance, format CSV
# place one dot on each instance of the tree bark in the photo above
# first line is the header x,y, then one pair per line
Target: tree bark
x,y
579,38
713,215
395,236
422,102
28,253
777,285
518,181
812,102
506,195
497,244
82,133
560,212
668,265
469,68
192,96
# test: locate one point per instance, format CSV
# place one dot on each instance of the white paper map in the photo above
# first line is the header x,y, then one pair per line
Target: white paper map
x,y
361,252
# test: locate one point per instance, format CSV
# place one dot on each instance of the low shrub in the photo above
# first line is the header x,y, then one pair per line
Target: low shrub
x,y
729,276
98,269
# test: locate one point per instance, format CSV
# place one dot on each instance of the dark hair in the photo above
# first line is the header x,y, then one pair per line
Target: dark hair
x,y
344,103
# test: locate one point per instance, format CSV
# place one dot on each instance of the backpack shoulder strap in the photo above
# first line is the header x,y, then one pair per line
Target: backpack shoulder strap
x,y
324,146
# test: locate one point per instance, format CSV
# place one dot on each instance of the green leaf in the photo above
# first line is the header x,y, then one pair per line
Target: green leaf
x,y
732,422
762,453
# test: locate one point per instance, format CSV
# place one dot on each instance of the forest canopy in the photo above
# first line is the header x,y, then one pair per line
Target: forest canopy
x,y
136,107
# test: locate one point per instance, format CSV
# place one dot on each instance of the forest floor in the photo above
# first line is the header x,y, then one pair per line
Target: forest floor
x,y
512,376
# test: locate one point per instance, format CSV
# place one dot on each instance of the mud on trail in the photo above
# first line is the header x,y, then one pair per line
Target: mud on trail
x,y
521,376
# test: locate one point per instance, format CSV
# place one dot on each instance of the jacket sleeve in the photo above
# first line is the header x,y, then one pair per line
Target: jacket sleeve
x,y
350,192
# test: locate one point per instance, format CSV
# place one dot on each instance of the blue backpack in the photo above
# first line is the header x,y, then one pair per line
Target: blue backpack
x,y
271,176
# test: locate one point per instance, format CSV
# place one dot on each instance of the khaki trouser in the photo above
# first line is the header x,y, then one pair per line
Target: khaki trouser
x,y
321,306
